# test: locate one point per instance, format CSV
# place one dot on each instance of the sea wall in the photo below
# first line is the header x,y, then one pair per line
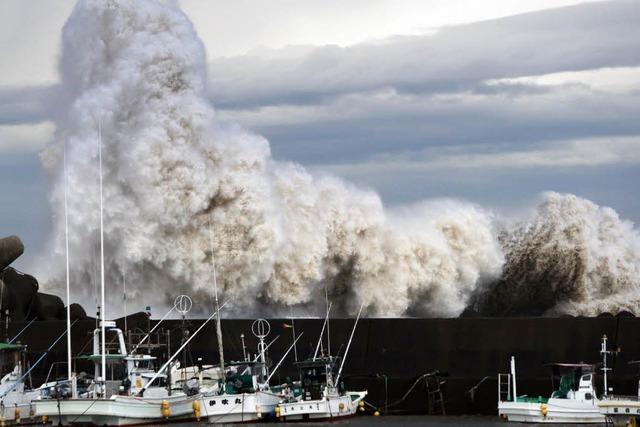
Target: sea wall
x,y
468,350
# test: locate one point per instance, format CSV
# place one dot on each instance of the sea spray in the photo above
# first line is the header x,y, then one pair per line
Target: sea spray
x,y
570,256
137,70
281,234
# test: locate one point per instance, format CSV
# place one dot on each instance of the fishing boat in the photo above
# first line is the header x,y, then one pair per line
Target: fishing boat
x,y
573,402
619,410
245,396
114,400
140,397
321,397
244,393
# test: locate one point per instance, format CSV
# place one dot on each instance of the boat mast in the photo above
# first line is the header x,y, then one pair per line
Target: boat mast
x,y
102,305
604,352
513,377
215,288
66,243
293,331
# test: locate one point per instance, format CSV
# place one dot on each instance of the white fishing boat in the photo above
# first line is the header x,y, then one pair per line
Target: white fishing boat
x,y
15,399
245,397
573,402
113,400
320,397
619,410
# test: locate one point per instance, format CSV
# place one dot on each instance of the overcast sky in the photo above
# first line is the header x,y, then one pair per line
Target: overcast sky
x,y
491,101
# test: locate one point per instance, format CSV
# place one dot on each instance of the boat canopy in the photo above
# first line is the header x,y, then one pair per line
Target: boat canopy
x,y
570,365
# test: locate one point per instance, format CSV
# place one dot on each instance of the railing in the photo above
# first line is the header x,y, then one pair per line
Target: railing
x,y
620,397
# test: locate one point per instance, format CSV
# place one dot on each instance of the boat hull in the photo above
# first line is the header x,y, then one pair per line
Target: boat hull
x,y
117,411
322,409
564,411
239,408
620,410
17,405
11,413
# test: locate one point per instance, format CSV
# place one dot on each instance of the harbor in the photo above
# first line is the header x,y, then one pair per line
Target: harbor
x,y
386,363
389,213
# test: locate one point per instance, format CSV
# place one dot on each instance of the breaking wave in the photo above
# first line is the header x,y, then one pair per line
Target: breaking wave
x,y
280,234
570,257
178,182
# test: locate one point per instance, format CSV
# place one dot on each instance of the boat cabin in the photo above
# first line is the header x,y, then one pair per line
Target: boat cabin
x,y
126,373
316,376
573,381
244,377
11,367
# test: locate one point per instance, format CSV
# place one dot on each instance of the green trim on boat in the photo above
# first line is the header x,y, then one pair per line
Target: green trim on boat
x,y
532,399
6,346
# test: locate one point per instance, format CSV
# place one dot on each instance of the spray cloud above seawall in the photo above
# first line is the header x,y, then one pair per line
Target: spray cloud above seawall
x,y
174,175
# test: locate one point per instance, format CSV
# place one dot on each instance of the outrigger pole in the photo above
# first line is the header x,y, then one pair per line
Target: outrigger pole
x,y
21,331
152,329
282,359
255,359
180,349
326,319
326,301
215,288
349,344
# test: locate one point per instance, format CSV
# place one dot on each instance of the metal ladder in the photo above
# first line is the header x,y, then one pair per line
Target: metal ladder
x,y
504,387
435,400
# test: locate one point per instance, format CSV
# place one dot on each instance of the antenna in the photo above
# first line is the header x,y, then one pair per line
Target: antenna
x,y
349,344
244,348
260,329
66,243
103,308
215,288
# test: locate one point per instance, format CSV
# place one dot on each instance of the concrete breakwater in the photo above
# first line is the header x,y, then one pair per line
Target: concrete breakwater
x,y
469,352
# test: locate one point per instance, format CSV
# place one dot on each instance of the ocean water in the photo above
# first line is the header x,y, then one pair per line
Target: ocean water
x,y
416,420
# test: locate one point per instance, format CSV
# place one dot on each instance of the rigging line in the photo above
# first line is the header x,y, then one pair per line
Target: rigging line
x,y
21,331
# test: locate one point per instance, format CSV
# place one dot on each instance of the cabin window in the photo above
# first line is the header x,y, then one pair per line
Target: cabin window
x,y
586,377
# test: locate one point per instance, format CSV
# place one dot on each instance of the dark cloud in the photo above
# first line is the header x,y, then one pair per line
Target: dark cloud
x,y
358,127
457,58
